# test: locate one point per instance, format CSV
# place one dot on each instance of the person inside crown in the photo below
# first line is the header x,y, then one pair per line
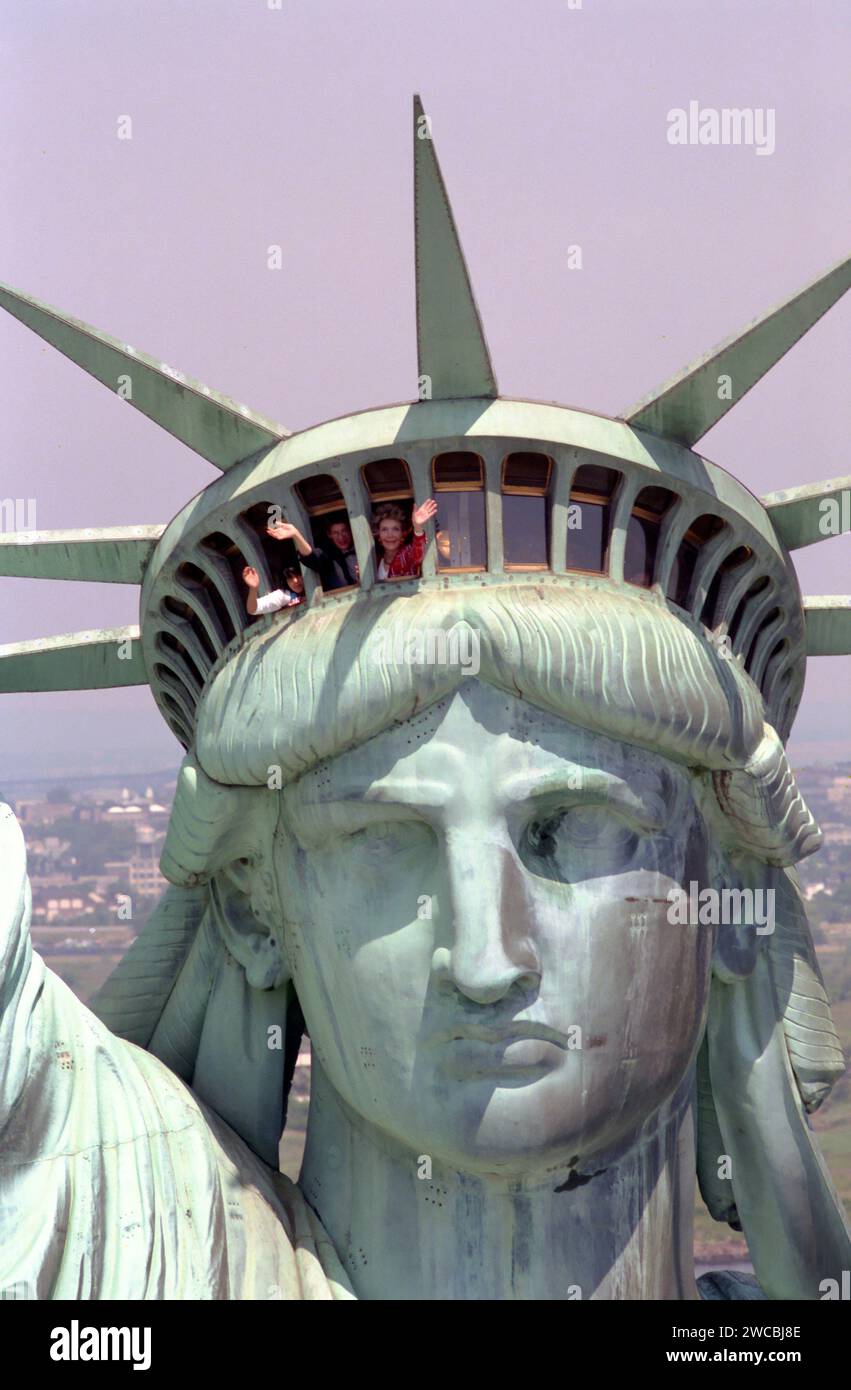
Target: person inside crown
x,y
400,559
333,559
288,597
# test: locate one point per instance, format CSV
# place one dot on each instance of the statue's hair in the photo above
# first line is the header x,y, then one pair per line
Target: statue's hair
x,y
331,678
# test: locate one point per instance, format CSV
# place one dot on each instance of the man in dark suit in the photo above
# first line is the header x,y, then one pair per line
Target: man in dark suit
x,y
333,559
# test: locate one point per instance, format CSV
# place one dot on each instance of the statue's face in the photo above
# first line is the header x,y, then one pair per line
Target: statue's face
x,y
478,932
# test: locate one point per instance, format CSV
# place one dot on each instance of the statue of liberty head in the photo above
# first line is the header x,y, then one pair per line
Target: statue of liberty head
x,y
512,837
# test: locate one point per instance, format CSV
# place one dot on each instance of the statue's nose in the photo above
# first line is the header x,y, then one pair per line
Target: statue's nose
x,y
491,928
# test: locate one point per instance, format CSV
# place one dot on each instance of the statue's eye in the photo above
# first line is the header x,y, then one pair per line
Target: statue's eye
x,y
386,838
580,842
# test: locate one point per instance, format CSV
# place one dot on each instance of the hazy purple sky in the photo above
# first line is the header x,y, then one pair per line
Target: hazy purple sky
x,y
254,126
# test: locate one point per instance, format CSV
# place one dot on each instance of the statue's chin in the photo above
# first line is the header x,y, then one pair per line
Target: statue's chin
x,y
526,1118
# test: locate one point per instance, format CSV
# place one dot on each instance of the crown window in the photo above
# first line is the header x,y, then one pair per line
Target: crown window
x,y
200,583
525,510
589,518
642,534
766,623
709,614
758,587
387,480
460,527
331,531
704,529
281,555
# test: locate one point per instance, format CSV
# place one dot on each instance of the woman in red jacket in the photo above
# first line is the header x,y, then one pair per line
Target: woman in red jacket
x,y
398,560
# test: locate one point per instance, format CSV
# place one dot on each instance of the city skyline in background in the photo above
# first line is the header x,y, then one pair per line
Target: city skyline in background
x,y
255,127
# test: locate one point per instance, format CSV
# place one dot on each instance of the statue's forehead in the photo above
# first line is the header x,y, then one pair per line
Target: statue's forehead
x,y
486,736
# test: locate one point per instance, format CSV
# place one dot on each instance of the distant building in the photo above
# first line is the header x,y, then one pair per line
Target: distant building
x,y
839,792
145,877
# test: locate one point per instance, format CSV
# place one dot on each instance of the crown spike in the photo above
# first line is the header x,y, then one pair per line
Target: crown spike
x,y
110,555
452,352
74,661
214,426
805,515
828,624
694,400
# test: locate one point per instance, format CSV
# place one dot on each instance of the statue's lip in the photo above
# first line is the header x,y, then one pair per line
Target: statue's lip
x,y
510,1032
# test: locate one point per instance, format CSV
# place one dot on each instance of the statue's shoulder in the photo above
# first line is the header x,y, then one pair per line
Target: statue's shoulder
x,y
93,1124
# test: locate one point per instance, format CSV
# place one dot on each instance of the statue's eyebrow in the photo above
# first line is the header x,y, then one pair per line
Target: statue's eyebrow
x,y
397,791
653,797
352,806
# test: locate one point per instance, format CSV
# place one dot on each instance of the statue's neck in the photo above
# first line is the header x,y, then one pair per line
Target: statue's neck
x,y
626,1233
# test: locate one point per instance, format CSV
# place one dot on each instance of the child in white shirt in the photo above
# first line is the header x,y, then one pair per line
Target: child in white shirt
x,y
278,598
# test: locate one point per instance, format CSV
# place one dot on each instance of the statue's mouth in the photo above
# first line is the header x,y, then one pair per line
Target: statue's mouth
x,y
520,1029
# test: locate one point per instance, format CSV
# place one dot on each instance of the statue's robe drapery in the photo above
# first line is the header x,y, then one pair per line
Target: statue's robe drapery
x,y
115,1181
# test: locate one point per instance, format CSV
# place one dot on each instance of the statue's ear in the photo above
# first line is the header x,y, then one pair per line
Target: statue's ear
x,y
246,930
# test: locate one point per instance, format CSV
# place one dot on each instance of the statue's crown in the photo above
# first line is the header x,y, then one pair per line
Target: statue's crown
x,y
526,493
